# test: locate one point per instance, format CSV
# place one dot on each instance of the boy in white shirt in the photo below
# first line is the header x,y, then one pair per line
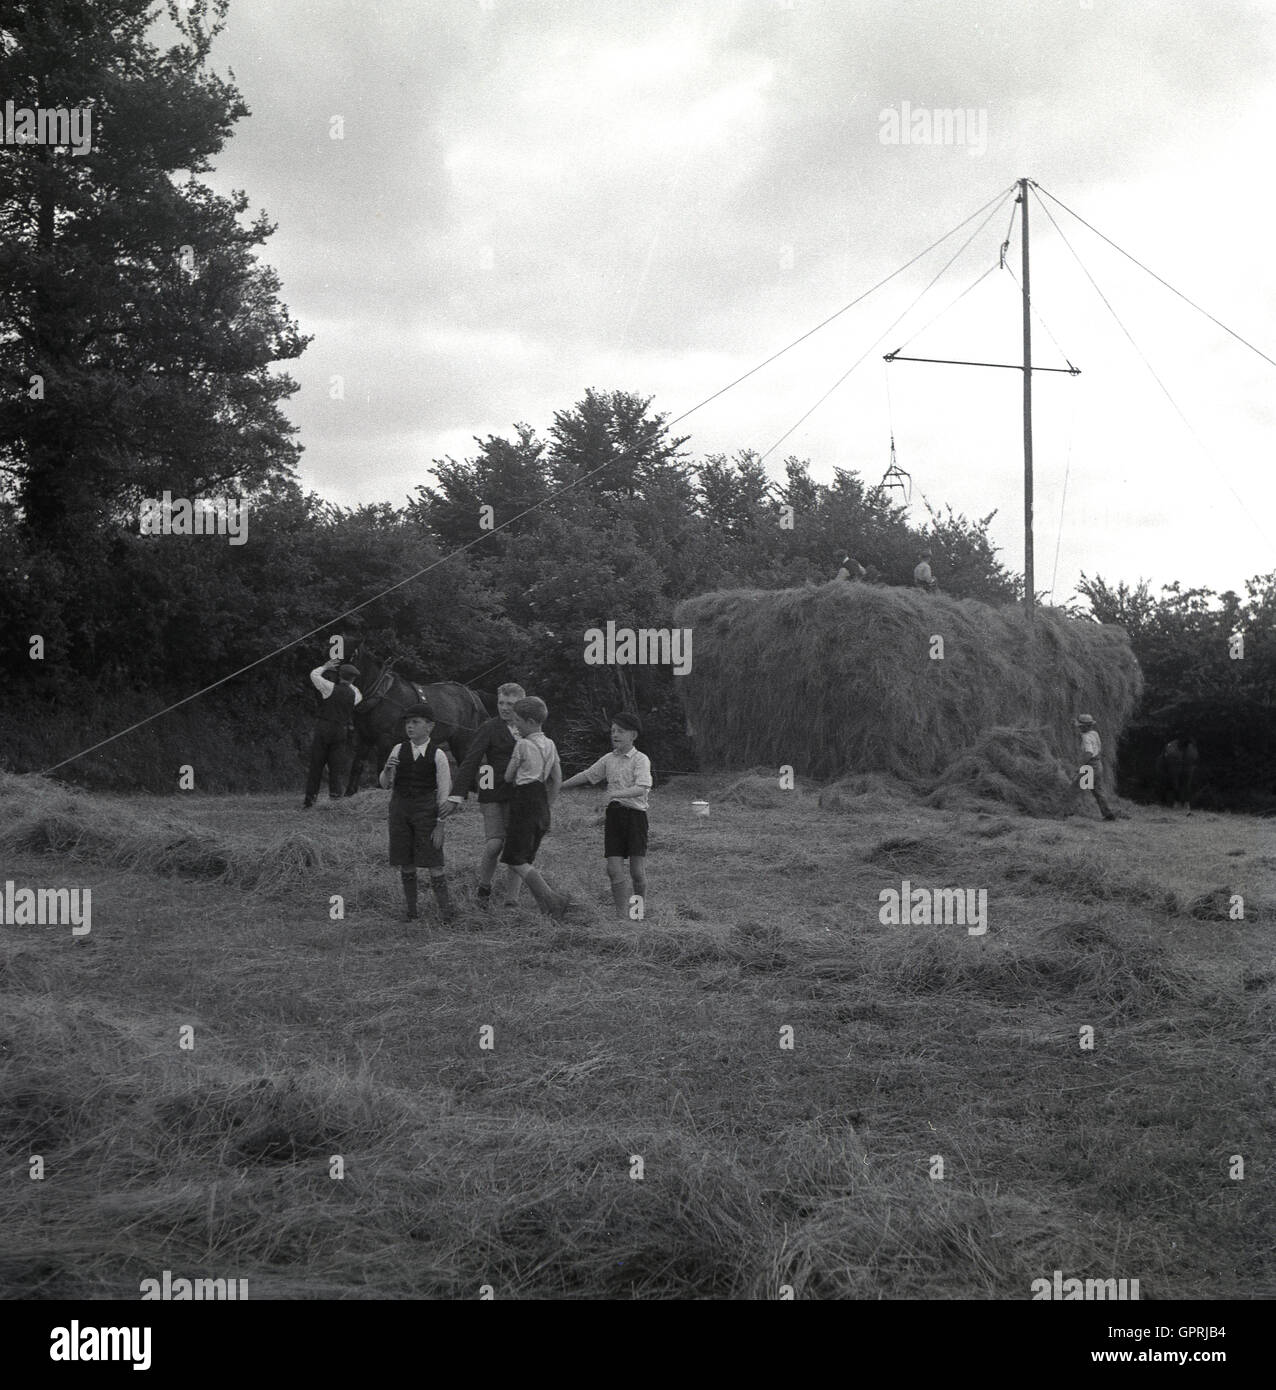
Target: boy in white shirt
x,y
628,774
537,774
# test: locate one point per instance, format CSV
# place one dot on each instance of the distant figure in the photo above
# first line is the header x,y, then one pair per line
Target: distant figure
x,y
922,577
851,569
1176,771
330,746
1092,762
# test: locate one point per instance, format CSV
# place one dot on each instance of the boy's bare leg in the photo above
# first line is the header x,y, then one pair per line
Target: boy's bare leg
x,y
638,873
620,890
550,903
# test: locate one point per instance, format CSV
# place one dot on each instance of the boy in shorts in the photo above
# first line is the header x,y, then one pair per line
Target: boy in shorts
x,y
628,774
419,773
537,774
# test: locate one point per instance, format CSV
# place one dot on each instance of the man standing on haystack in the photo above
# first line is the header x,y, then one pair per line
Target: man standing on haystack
x,y
330,746
922,577
1092,763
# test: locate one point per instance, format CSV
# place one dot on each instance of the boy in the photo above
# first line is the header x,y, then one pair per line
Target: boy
x,y
536,774
419,773
491,748
628,774
1092,760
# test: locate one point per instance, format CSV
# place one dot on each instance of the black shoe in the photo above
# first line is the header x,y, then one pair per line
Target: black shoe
x,y
483,896
306,805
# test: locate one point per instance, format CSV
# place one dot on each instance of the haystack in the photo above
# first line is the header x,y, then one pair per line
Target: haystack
x,y
840,678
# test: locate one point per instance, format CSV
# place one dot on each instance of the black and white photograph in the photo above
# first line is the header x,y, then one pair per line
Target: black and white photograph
x,y
639,657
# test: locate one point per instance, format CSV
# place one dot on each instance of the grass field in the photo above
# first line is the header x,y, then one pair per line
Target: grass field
x,y
761,1166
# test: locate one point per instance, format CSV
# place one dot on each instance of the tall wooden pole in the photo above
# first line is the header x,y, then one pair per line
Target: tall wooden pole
x,y
1028,580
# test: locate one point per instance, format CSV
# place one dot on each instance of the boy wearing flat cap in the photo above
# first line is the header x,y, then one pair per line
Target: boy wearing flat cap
x,y
418,771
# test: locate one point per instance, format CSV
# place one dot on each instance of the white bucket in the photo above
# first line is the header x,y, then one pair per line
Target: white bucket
x,y
701,808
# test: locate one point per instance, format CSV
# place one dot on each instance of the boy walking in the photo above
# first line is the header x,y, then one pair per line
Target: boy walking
x,y
419,773
491,748
628,774
536,775
1092,761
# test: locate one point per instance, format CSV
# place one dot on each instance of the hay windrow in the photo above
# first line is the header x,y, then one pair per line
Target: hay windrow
x,y
840,679
38,816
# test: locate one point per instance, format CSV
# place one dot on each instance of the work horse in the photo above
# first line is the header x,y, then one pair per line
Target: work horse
x,y
378,717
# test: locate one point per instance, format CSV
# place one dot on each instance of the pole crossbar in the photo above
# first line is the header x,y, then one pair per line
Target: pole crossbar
x,y
957,362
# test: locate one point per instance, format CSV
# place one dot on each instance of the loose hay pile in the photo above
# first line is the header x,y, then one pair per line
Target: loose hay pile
x,y
1012,766
840,678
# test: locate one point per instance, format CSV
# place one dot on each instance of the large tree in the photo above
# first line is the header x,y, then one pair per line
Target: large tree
x,y
137,329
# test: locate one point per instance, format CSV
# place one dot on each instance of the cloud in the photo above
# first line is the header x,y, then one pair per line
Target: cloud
x,y
529,199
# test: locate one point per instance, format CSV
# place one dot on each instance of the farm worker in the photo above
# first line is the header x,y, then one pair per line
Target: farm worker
x,y
628,774
1177,767
331,743
492,748
1092,760
536,776
851,569
419,773
922,577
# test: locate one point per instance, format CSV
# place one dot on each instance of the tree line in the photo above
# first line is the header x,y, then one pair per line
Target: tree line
x,y
140,345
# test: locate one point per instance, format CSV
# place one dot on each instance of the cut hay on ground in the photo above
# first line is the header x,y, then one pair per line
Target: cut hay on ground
x,y
840,678
37,816
1012,767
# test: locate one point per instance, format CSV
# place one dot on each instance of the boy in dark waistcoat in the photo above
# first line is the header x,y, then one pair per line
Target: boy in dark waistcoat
x,y
418,772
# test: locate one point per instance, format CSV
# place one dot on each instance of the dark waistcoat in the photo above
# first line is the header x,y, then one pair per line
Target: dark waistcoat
x,y
338,707
417,777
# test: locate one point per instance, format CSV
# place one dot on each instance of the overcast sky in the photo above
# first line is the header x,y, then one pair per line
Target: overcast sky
x,y
533,197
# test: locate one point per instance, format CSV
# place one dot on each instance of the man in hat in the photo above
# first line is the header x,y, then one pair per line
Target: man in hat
x,y
330,746
922,577
1091,770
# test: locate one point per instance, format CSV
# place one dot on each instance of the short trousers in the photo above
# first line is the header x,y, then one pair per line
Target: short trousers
x,y
624,832
412,823
496,819
528,822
